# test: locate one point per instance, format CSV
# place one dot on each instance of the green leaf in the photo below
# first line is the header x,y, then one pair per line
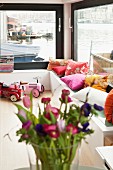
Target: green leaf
x,y
44,120
83,119
22,119
53,150
34,119
31,99
53,119
19,107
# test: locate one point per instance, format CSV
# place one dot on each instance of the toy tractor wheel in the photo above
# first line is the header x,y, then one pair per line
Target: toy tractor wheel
x,y
35,93
42,89
13,98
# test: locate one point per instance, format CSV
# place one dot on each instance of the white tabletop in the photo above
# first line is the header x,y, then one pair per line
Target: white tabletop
x,y
106,153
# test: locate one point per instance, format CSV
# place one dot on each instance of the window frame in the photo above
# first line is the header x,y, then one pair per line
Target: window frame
x,y
59,8
82,5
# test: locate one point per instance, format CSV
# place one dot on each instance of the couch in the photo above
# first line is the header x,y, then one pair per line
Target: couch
x,y
52,82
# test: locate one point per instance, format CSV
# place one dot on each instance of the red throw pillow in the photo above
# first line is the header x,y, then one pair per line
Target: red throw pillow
x,y
74,67
59,70
108,107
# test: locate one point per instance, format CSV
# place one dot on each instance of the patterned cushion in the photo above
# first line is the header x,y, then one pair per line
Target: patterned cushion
x,y
74,67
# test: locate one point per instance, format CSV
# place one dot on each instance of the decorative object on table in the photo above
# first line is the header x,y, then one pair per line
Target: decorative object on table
x,y
6,63
13,92
56,133
108,107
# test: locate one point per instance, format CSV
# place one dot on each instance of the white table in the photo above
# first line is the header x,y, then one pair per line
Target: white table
x,y
106,154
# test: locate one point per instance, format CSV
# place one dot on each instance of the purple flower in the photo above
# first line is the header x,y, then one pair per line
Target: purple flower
x,y
85,125
97,107
39,129
27,125
86,108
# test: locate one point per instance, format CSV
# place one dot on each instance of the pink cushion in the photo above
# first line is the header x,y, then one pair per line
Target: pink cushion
x,y
59,70
75,81
74,67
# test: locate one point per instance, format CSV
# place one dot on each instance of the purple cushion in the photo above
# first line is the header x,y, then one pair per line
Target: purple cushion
x,y
75,81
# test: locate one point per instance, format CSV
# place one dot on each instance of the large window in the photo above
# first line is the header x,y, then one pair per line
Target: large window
x,y
31,33
93,29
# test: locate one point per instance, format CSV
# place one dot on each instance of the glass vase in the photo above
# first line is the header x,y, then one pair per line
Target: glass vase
x,y
42,158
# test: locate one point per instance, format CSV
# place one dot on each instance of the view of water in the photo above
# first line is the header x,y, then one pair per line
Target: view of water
x,y
47,46
94,38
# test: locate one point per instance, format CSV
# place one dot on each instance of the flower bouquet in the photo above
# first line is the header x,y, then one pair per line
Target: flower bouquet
x,y
55,133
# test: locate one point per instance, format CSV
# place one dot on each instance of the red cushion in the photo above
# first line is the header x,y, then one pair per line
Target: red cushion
x,y
108,107
74,67
59,70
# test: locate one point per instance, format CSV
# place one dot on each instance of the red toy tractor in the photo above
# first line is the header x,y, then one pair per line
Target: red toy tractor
x,y
12,92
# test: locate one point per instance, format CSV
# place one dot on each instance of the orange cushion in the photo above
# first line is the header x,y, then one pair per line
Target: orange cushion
x,y
108,108
56,62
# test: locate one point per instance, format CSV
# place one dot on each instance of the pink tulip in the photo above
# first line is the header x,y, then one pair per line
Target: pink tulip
x,y
61,125
27,102
48,128
54,110
65,92
64,98
22,113
54,134
25,136
45,100
51,130
71,128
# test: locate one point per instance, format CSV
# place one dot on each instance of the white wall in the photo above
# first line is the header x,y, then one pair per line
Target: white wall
x,y
67,31
3,28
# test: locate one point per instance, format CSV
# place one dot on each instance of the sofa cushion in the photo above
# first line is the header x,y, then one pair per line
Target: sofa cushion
x,y
108,107
56,62
59,70
74,67
75,81
95,96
